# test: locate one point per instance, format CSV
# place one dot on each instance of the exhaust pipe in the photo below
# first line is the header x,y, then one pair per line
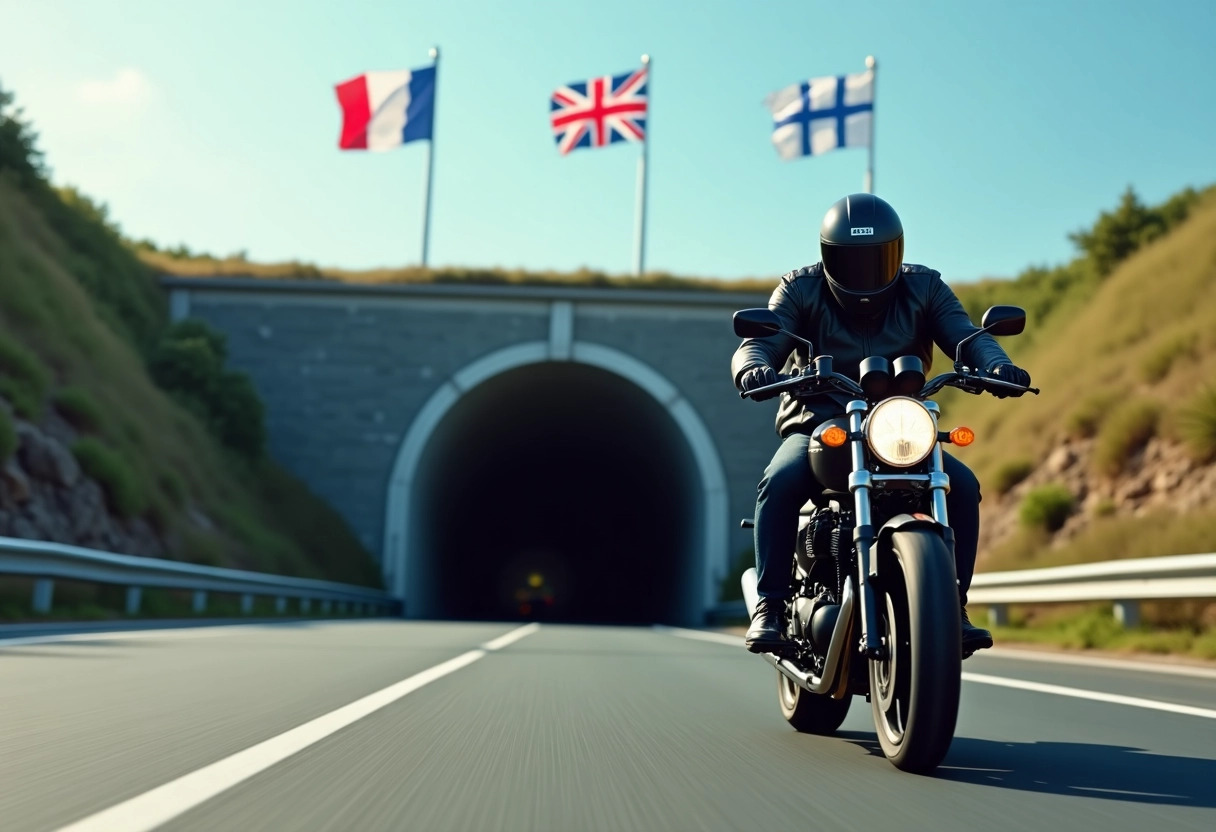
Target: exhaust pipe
x,y
751,595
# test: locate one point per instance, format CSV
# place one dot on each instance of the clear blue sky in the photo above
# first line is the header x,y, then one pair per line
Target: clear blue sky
x,y
1000,126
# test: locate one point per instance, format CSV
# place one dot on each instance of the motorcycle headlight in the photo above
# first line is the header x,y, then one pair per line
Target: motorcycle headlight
x,y
901,432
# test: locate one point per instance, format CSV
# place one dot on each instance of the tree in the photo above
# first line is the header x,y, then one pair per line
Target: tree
x,y
1117,234
19,151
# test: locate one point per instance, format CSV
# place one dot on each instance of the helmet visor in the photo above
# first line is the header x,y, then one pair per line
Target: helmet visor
x,y
863,268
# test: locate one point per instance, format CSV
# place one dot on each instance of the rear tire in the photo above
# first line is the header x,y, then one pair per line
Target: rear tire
x,y
914,692
808,712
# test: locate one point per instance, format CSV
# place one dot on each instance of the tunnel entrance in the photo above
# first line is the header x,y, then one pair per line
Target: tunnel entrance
x,y
559,492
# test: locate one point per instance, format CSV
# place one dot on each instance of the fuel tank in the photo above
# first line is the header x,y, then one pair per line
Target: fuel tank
x,y
831,466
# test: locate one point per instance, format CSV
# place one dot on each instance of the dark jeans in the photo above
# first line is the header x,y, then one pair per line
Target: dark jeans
x,y
788,483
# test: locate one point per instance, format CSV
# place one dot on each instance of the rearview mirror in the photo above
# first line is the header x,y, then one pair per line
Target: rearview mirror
x,y
756,323
1004,320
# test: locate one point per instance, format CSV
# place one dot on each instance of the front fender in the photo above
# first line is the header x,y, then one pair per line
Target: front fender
x,y
902,522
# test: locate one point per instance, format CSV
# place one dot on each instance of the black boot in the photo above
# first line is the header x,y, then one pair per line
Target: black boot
x,y
974,638
767,633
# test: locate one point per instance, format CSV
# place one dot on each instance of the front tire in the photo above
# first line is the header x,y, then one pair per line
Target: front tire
x,y
808,712
914,692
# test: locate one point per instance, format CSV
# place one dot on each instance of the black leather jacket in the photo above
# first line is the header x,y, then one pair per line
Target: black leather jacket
x,y
923,312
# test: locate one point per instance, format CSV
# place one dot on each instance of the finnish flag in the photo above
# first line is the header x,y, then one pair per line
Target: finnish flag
x,y
822,114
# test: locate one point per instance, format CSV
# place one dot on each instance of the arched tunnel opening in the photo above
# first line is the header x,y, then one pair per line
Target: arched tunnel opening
x,y
557,492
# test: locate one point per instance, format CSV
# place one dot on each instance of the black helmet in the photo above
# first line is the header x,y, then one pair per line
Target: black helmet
x,y
862,245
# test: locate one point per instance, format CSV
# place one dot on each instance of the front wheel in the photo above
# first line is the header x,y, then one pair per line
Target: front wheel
x,y
914,691
808,712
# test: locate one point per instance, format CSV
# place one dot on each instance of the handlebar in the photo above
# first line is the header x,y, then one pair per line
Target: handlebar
x,y
804,382
812,383
972,382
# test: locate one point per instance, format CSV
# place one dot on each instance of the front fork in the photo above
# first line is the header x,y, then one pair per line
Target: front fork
x,y
864,534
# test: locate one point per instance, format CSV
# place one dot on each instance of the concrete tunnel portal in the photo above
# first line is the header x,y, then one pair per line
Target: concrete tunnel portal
x,y
557,491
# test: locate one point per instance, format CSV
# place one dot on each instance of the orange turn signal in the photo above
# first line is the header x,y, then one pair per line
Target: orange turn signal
x,y
962,436
834,437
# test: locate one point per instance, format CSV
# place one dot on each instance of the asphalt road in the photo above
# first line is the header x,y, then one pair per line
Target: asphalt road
x,y
389,725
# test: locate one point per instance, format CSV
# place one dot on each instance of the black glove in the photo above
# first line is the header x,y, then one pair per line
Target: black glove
x,y
756,377
1012,374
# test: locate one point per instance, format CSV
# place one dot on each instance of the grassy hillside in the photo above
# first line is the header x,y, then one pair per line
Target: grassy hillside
x,y
1127,364
79,318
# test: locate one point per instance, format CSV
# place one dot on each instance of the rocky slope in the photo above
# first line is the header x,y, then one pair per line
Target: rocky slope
x,y
1163,477
44,495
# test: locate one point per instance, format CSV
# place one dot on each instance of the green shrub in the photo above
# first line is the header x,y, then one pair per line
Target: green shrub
x,y
1047,507
8,436
1198,422
23,378
1105,508
78,408
1156,365
189,362
190,329
1085,419
122,489
187,367
1126,429
732,587
238,415
172,484
1010,474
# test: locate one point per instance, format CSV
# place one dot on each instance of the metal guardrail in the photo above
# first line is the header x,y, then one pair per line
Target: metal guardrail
x,y
1124,582
46,561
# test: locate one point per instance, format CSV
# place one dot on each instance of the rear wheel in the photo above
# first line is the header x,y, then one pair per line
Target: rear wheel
x,y
808,712
914,691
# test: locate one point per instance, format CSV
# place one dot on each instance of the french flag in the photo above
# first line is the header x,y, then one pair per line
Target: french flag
x,y
381,110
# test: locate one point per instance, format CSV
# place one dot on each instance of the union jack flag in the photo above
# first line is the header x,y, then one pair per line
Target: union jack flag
x,y
599,112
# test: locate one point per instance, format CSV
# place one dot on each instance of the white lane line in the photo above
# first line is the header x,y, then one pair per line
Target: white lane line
x,y
511,637
122,635
152,808
1095,696
1100,661
980,678
201,631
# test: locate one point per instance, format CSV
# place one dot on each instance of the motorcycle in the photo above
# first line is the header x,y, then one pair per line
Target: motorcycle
x,y
874,607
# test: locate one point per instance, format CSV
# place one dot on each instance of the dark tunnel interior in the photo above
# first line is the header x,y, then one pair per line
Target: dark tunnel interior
x,y
557,492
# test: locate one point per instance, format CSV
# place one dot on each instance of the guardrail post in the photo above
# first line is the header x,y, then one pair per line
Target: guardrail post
x,y
998,615
305,606
44,592
134,596
326,606
199,603
246,604
1127,613
280,605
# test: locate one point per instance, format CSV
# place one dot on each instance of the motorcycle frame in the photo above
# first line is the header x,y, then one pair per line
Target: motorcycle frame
x,y
865,539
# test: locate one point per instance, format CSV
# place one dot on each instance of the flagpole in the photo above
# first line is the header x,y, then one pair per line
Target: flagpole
x,y
871,65
639,239
430,166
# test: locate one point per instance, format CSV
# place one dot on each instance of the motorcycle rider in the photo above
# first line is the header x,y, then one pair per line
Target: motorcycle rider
x,y
860,300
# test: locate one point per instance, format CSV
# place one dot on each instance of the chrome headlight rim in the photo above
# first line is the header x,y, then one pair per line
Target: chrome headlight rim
x,y
922,437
